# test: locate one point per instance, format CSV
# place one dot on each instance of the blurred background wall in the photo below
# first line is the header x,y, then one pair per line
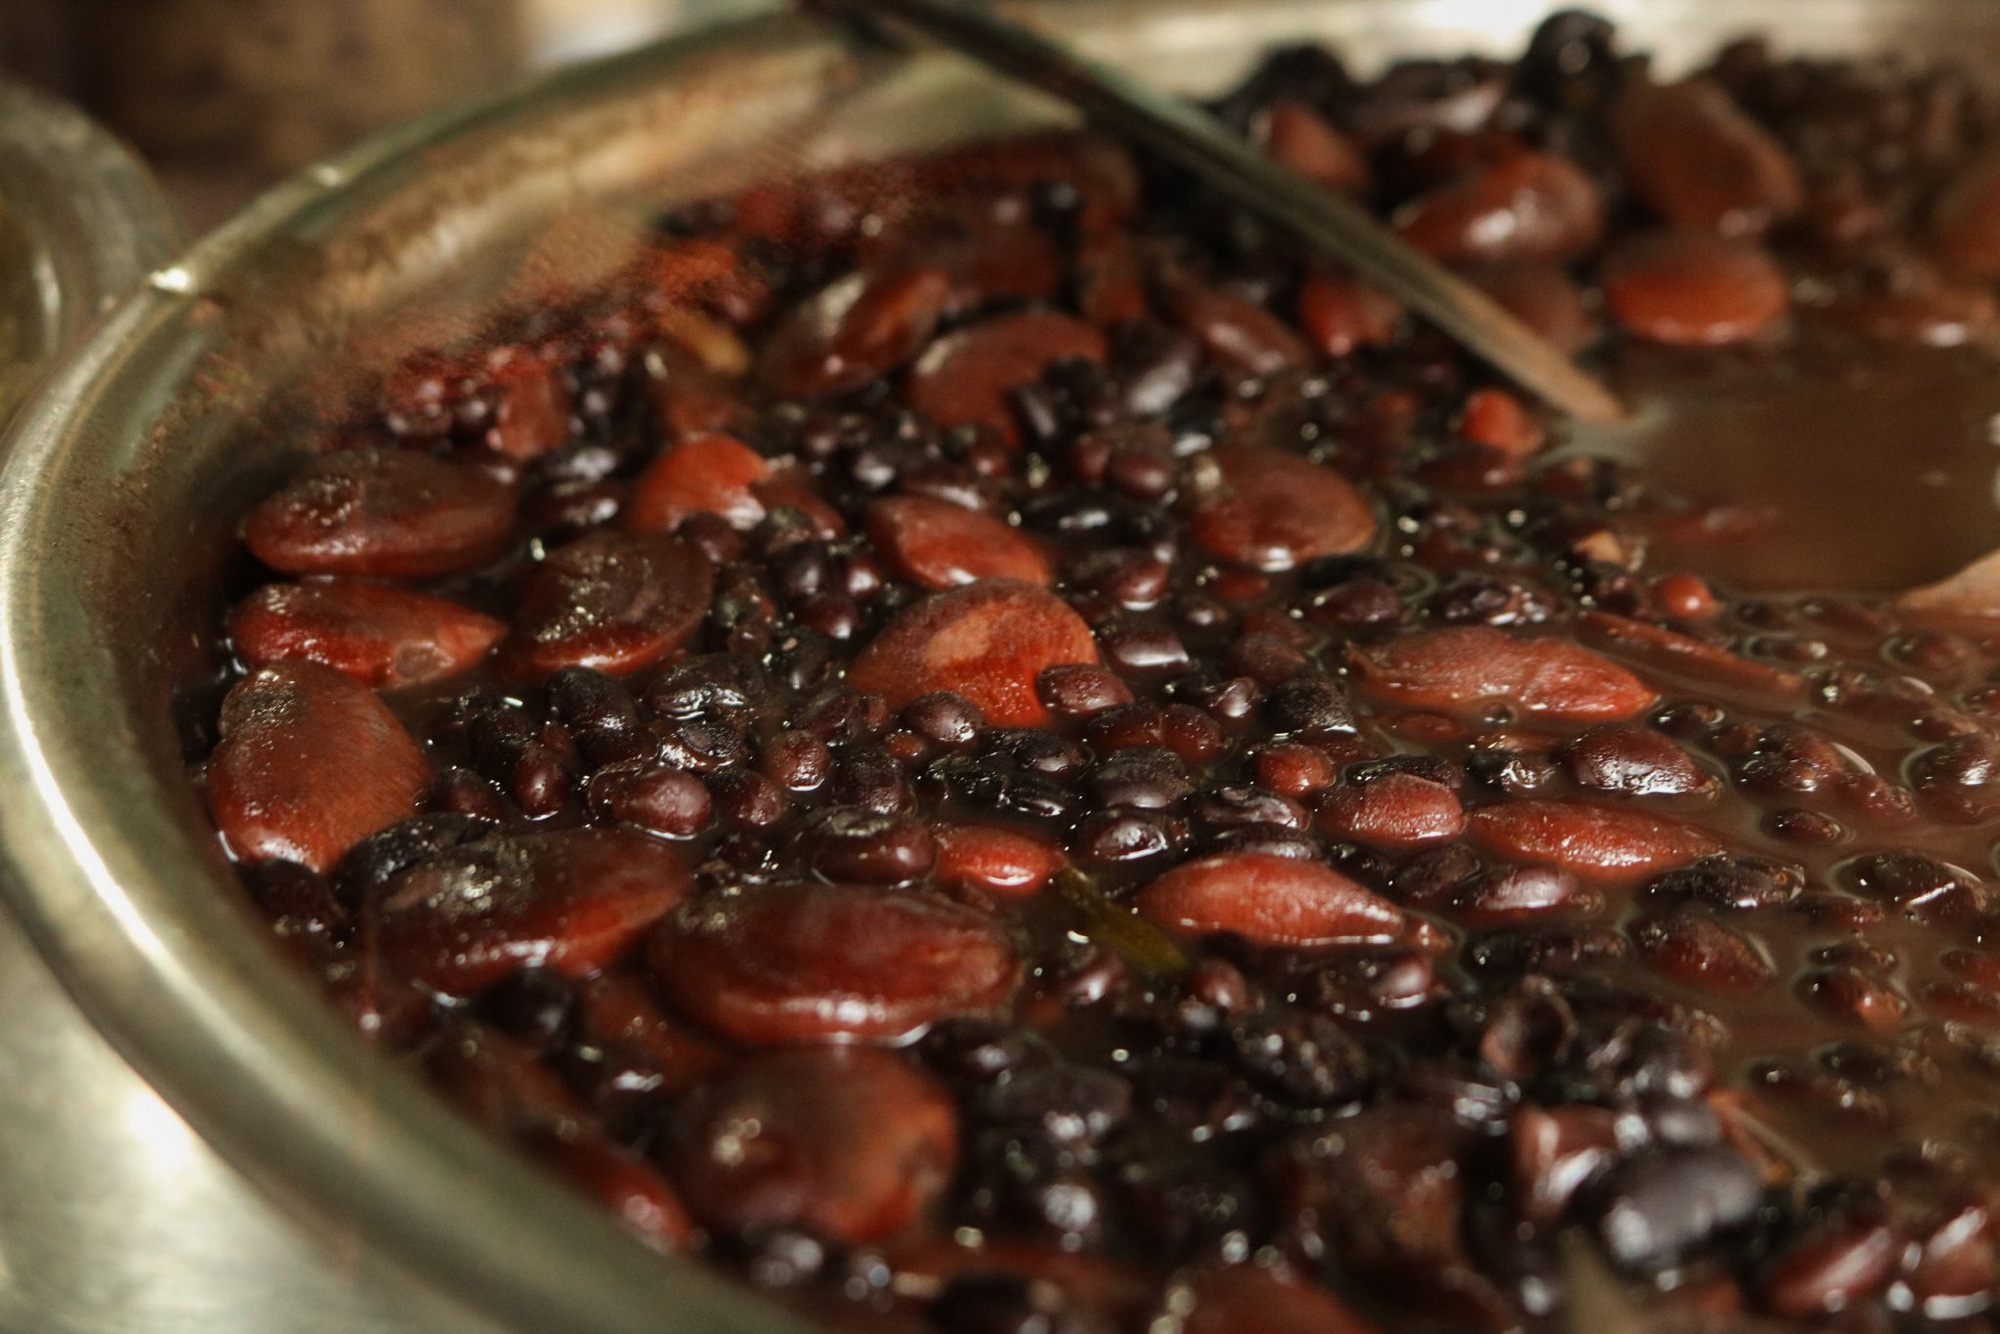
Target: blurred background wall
x,y
225,96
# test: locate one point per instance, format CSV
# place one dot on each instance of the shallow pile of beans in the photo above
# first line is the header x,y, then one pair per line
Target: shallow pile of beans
x,y
981,745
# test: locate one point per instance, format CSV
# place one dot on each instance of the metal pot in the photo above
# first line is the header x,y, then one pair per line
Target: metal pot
x,y
127,476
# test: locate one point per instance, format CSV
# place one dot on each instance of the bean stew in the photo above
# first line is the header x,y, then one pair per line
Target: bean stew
x,y
982,746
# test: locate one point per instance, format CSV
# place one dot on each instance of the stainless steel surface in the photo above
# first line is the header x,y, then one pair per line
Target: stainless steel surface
x,y
1327,224
114,1215
119,496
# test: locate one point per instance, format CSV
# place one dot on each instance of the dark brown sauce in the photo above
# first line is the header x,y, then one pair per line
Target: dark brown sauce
x,y
1826,464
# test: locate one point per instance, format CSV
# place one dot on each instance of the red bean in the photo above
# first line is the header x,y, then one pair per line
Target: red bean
x,y
941,545
966,377
1299,137
663,801
1110,281
1543,297
852,1144
1238,333
382,514
1396,811
1472,670
1965,226
1292,769
1272,510
858,329
1099,168
1633,761
1694,288
1596,842
383,637
1555,1152
530,415
710,473
1696,660
987,641
1235,1301
501,1083
1003,259
619,1016
609,602
1833,1268
1703,953
1523,894
805,963
310,763
1693,155
1271,900
1008,862
1527,206
571,900
1854,996
1341,314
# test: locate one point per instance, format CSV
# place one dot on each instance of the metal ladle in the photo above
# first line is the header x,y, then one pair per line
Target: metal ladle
x,y
1325,223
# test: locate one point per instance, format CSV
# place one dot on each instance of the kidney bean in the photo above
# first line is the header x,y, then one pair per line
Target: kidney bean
x,y
1693,155
1271,901
1273,510
668,802
381,636
498,1082
1956,1269
803,963
1300,138
1006,862
1849,994
853,331
1693,288
530,415
708,473
571,900
1602,843
1959,780
1526,206
1396,811
1294,769
1556,1152
1239,334
855,844
940,545
1542,296
382,514
1703,953
1525,894
310,763
1683,656
613,603
1633,762
1919,885
619,1015
850,1143
965,377
1340,314
988,642
1473,669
